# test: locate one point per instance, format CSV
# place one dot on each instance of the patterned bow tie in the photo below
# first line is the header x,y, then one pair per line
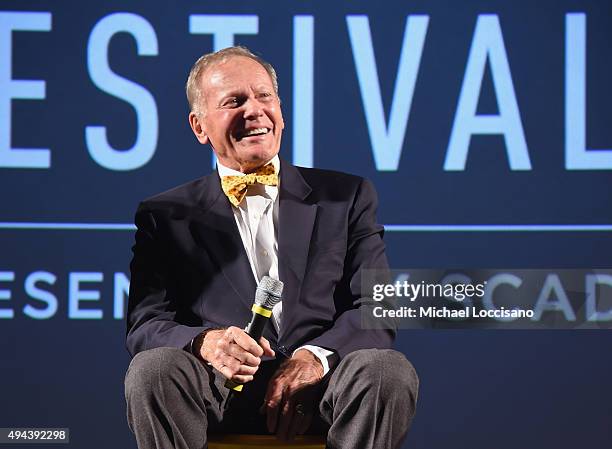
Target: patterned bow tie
x,y
235,187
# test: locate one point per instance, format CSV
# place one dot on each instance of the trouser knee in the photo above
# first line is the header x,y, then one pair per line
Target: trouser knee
x,y
387,372
155,370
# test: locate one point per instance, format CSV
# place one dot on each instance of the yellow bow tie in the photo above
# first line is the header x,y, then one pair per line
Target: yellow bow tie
x,y
235,187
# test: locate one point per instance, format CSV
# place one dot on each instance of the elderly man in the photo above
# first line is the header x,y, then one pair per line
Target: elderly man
x,y
200,250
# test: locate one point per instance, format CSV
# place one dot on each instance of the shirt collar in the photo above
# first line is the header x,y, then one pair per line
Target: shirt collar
x,y
226,171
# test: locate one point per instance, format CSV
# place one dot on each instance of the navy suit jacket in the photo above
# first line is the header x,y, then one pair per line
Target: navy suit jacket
x,y
190,271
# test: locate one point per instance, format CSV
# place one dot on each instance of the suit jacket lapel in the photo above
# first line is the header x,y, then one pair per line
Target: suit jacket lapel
x,y
218,233
296,220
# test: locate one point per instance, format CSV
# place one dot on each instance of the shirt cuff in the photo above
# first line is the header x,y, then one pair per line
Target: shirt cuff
x,y
319,353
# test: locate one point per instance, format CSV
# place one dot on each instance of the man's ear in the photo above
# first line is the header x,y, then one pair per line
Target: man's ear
x,y
282,119
195,121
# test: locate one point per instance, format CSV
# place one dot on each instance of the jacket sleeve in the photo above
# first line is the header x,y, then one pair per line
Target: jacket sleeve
x,y
151,316
365,250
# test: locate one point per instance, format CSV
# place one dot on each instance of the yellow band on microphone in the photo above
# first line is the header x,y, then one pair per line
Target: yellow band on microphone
x,y
261,311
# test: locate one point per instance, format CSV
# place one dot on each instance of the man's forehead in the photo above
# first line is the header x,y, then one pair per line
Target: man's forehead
x,y
236,70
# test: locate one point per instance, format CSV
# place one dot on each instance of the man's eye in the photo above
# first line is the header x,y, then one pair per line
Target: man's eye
x,y
231,102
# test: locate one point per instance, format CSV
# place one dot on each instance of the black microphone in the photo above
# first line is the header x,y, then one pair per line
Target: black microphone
x,y
267,295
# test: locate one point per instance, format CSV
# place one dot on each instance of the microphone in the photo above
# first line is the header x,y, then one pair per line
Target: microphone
x,y
267,295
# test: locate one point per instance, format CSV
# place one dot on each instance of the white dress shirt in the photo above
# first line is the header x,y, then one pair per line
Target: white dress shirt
x,y
257,221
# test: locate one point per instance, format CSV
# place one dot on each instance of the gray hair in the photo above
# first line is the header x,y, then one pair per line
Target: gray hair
x,y
204,62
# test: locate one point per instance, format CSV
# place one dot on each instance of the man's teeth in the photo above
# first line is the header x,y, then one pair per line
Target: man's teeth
x,y
256,131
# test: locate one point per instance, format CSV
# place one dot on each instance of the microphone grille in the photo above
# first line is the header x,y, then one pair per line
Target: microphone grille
x,y
269,292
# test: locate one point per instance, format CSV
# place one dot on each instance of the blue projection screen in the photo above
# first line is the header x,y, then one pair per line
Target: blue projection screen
x,y
484,125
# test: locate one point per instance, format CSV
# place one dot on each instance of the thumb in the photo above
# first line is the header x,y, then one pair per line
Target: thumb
x,y
265,344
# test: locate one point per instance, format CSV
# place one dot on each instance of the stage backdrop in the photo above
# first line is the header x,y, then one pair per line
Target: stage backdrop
x,y
485,126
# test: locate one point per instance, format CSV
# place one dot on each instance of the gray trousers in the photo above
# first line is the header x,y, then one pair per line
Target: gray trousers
x,y
174,401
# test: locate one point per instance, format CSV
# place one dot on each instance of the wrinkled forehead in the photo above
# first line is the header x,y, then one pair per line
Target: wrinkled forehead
x,y
235,71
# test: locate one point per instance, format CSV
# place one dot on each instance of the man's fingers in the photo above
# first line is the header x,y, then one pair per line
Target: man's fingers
x,y
239,379
244,370
244,340
285,420
272,402
244,357
226,371
274,393
232,370
272,416
233,367
231,346
295,424
228,361
304,424
265,345
296,420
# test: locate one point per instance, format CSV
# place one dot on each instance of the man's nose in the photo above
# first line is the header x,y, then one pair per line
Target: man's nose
x,y
252,108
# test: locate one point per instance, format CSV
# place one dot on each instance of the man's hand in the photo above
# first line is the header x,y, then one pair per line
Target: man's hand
x,y
234,353
292,395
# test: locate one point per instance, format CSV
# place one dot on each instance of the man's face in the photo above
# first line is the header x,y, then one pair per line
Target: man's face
x,y
239,114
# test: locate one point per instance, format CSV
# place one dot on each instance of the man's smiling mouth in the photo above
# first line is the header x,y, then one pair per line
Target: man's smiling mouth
x,y
253,132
